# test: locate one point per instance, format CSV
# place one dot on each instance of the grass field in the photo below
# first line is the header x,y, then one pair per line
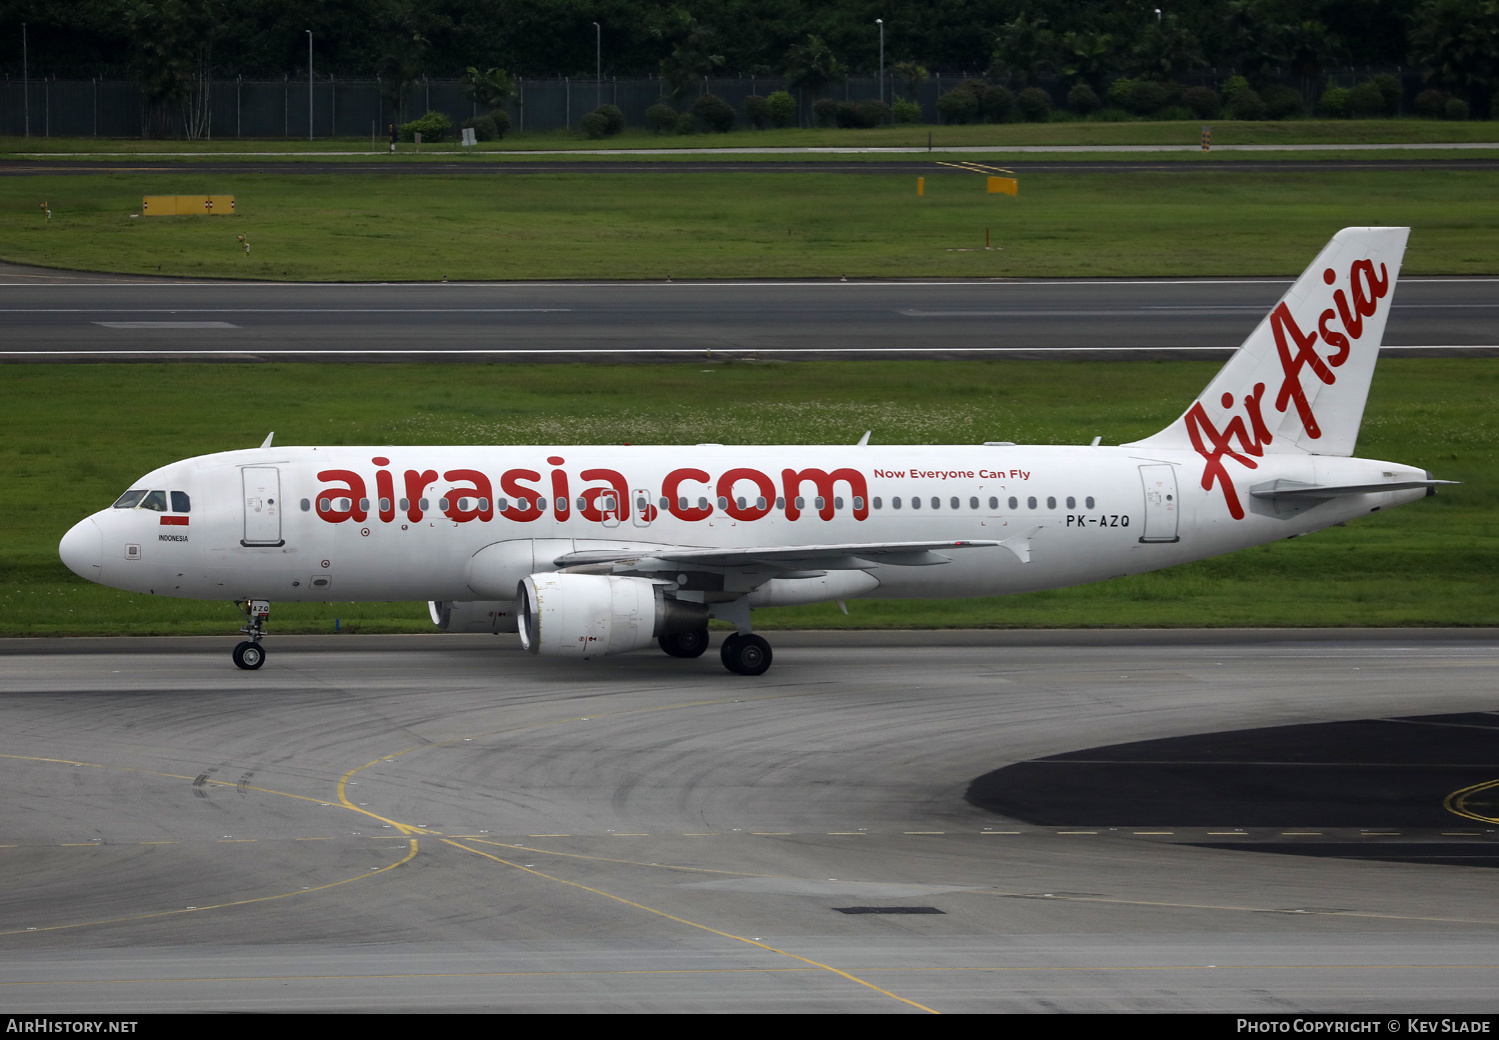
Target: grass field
x,y
72,437
1297,132
380,227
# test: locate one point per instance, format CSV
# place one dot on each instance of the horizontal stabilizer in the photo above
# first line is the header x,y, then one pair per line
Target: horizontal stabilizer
x,y
1297,489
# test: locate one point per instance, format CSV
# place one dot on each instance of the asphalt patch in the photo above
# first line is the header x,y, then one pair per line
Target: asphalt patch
x,y
1431,782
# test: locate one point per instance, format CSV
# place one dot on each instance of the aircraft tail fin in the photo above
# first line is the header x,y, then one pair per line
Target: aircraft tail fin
x,y
1299,382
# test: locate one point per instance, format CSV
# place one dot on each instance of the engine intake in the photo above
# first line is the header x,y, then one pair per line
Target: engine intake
x,y
591,615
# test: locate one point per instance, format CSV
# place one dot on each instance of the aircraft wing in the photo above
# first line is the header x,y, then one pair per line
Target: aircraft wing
x,y
846,556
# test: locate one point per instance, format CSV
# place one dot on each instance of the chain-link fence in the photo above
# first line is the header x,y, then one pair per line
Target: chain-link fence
x,y
328,107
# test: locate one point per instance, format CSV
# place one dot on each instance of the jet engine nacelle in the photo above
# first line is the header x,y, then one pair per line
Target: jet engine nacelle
x,y
590,615
473,616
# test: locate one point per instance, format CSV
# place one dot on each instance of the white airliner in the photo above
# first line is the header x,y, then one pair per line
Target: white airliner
x,y
591,551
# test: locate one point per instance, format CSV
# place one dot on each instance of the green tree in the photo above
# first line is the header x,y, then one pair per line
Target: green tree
x,y
1023,50
1165,50
692,54
171,43
912,74
813,66
1087,57
1456,42
491,88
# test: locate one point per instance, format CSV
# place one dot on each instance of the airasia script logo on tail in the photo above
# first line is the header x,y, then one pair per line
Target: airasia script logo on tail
x,y
1215,445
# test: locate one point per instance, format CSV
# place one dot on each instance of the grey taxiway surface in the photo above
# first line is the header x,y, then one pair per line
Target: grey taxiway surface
x,y
59,317
445,823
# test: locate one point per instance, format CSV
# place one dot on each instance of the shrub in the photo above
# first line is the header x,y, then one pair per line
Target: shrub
x,y
782,108
996,103
433,126
1203,101
757,112
595,125
1035,104
714,113
1430,102
907,111
483,127
1143,97
661,118
1335,102
868,114
1455,108
1246,104
958,106
501,122
614,119
825,111
1390,89
974,101
1365,101
1283,102
686,124
1082,99
1234,86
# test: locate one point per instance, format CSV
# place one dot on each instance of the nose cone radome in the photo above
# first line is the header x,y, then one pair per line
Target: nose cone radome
x,y
82,549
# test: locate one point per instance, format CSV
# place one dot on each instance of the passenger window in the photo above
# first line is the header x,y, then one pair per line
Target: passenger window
x,y
936,502
895,502
181,503
1014,502
1051,502
915,502
156,500
879,503
993,503
973,503
1031,502
954,502
1089,501
858,502
819,502
130,499
1071,502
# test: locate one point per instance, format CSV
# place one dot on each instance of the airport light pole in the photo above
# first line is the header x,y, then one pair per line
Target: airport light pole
x,y
598,65
881,23
309,84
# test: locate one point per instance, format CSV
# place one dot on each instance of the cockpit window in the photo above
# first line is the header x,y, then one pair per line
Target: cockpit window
x,y
180,502
156,500
130,499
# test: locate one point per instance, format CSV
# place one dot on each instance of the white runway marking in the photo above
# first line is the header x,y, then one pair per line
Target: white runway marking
x,y
167,324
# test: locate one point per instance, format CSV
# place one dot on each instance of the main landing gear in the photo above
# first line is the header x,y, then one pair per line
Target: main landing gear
x,y
249,654
741,654
745,654
691,643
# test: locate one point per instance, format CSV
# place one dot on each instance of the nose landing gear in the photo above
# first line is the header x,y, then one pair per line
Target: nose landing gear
x,y
249,654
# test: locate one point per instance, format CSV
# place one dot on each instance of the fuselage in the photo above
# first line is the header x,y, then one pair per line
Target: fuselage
x,y
408,523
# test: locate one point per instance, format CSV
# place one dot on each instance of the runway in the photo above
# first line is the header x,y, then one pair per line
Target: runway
x,y
77,318
445,823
